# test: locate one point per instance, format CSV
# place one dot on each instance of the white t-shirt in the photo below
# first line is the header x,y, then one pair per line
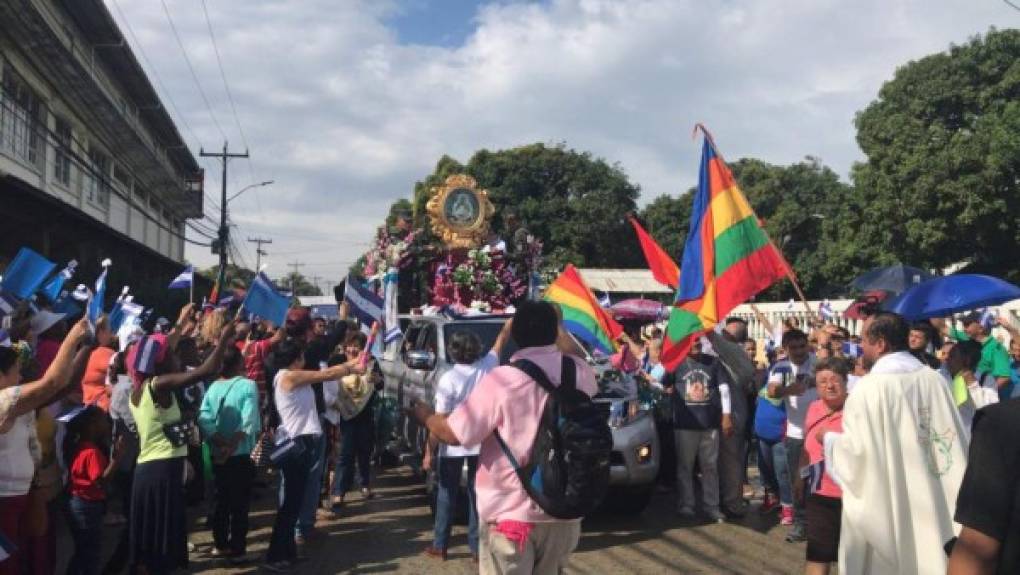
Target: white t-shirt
x,y
454,387
796,405
297,410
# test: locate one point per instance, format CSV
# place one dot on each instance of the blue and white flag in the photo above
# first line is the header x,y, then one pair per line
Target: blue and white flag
x,y
825,311
265,301
53,287
124,312
26,274
812,476
604,300
183,279
362,302
95,306
392,322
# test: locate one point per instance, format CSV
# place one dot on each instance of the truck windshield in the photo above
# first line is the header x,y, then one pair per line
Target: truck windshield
x,y
486,331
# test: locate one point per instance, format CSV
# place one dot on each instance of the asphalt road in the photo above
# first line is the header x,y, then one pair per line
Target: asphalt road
x,y
387,534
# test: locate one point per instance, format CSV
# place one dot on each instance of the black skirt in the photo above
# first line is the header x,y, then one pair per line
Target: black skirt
x,y
158,525
823,515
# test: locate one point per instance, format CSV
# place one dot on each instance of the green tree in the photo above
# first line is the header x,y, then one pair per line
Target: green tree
x,y
236,277
298,285
941,183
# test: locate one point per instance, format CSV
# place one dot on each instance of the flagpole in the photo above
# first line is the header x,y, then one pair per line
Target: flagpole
x,y
786,265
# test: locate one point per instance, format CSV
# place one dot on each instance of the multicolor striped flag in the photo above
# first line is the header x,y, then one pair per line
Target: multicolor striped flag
x,y
582,315
727,258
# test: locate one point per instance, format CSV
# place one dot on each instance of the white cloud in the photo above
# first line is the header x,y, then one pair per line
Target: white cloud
x,y
345,118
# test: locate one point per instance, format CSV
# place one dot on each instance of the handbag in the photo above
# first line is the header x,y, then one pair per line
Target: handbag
x,y
181,433
286,451
262,449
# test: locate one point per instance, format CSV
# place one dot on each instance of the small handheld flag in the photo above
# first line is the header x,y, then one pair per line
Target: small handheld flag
x,y
264,300
392,323
183,279
95,307
26,273
362,302
53,287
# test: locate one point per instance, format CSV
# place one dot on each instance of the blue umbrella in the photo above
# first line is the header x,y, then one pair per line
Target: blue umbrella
x,y
896,279
944,296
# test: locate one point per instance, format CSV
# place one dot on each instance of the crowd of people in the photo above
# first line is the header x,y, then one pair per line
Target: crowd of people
x,y
861,443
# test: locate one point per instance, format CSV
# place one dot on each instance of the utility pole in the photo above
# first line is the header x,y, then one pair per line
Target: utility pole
x,y
293,275
315,281
259,252
224,232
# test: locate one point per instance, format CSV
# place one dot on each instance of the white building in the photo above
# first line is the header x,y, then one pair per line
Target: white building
x,y
91,164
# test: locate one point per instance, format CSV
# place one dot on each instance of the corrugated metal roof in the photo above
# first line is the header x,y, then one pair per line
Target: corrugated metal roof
x,y
623,281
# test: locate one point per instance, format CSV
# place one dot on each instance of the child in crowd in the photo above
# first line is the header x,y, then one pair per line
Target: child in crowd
x,y
85,447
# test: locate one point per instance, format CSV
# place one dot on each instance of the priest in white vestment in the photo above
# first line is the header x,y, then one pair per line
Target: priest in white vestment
x,y
899,460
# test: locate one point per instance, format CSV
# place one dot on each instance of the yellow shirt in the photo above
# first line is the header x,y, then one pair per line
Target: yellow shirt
x,y
150,419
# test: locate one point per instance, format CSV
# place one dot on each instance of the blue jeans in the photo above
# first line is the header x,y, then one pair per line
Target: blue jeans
x,y
357,439
295,479
306,519
449,473
775,474
85,518
793,450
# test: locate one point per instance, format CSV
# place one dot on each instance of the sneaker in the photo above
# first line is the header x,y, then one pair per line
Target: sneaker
x,y
716,516
367,493
277,566
685,512
796,534
769,503
786,515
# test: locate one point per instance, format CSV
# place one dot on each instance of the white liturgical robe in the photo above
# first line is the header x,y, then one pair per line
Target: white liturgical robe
x,y
899,461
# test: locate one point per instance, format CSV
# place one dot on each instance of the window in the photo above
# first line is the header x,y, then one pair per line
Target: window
x,y
22,121
97,181
122,178
62,162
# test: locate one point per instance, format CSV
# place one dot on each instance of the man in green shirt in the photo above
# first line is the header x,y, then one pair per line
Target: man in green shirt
x,y
994,358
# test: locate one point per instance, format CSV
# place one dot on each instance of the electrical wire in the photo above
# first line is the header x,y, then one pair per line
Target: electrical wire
x,y
1012,5
226,85
155,74
191,68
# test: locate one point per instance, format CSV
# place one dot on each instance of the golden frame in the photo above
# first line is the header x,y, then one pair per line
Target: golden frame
x,y
457,234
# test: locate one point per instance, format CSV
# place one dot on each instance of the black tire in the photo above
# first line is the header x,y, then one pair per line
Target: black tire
x,y
628,500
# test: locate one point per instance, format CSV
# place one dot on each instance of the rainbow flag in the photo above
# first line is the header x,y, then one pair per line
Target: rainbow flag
x,y
727,258
582,315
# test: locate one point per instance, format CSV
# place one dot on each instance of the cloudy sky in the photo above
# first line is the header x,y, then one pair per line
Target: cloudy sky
x,y
346,103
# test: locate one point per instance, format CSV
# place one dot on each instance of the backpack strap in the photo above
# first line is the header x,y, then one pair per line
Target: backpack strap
x,y
568,381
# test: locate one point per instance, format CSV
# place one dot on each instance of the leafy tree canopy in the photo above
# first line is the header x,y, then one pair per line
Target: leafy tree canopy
x,y
941,183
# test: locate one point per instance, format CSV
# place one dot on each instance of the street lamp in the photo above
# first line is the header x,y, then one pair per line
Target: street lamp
x,y
246,188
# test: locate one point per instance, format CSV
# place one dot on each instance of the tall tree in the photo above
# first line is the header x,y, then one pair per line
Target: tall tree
x,y
236,276
941,183
298,285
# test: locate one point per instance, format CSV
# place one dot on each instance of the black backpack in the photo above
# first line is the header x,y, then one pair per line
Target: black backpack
x,y
567,473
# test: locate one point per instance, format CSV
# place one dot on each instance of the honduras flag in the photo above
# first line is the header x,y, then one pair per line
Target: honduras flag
x,y
362,302
184,279
812,476
26,274
265,301
96,302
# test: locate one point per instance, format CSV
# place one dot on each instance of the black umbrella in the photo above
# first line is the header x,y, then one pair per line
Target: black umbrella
x,y
896,279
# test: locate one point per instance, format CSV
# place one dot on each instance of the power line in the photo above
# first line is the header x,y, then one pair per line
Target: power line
x,y
194,76
226,85
155,73
1014,6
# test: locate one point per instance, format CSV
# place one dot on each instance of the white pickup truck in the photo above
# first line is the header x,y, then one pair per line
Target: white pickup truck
x,y
412,366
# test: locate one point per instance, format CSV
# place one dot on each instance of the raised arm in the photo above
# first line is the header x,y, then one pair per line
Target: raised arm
x,y
184,320
208,369
37,393
296,378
